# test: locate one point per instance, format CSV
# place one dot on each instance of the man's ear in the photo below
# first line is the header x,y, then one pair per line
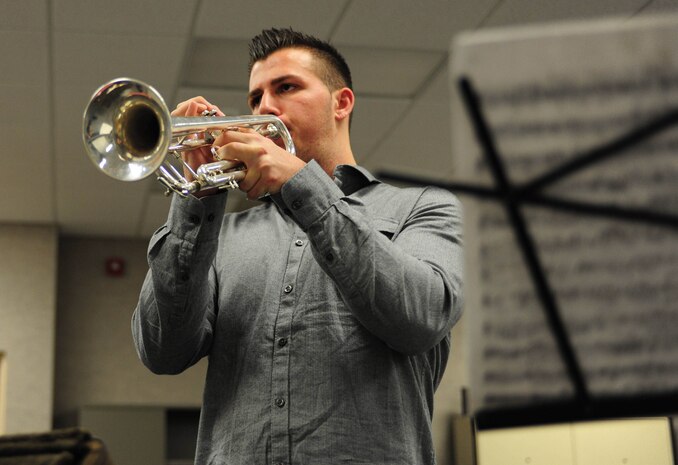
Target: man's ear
x,y
344,101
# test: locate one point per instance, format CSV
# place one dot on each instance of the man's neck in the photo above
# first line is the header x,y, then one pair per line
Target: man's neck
x,y
343,155
330,164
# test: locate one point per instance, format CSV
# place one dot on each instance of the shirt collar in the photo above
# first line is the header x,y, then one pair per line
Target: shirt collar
x,y
352,178
349,178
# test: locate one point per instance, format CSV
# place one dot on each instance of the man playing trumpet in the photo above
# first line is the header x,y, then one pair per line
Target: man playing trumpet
x,y
325,312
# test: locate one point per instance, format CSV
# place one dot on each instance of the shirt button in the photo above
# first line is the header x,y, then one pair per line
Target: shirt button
x,y
296,205
282,342
194,219
329,257
280,402
298,242
288,289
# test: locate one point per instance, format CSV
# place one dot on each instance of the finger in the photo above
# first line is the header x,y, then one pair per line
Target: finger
x,y
189,108
252,185
194,107
245,152
243,135
256,194
199,156
198,99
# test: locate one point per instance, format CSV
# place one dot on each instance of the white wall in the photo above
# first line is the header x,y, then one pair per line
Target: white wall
x,y
96,361
27,314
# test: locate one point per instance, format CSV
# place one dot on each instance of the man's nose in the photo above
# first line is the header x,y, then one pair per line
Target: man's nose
x,y
268,105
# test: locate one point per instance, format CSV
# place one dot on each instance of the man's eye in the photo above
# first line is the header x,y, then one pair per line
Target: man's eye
x,y
286,87
254,102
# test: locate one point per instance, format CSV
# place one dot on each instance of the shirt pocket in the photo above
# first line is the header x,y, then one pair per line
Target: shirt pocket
x,y
386,226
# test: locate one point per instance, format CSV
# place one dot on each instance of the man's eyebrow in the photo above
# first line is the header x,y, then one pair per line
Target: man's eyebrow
x,y
278,80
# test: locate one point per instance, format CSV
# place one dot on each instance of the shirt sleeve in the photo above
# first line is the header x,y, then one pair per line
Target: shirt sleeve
x,y
406,291
172,324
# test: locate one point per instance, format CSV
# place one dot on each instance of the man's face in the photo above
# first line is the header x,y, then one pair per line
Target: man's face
x,y
286,85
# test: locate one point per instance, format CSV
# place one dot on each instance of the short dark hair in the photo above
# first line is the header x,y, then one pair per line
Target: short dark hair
x,y
333,70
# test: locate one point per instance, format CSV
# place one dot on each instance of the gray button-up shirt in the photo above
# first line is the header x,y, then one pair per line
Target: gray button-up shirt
x,y
325,315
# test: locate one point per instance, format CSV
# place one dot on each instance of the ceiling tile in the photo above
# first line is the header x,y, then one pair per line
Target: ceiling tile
x,y
388,72
24,15
425,24
659,7
24,58
374,70
437,90
218,63
171,17
27,189
91,60
528,11
420,143
242,19
373,118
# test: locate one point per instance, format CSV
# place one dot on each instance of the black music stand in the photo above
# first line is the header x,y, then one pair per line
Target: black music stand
x,y
582,405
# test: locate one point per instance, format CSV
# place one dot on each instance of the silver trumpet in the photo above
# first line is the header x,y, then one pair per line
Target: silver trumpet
x,y
129,134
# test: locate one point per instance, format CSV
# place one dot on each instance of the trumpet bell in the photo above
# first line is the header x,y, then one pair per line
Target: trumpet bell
x,y
127,129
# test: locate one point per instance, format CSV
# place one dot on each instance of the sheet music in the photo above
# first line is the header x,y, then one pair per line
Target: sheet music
x,y
549,94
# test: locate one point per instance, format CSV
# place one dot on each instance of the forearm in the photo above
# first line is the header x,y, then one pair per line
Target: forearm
x,y
406,291
172,324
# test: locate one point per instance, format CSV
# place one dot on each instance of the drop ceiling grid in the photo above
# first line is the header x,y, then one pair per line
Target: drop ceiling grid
x,y
124,17
420,142
243,19
26,189
27,185
97,40
94,42
408,25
